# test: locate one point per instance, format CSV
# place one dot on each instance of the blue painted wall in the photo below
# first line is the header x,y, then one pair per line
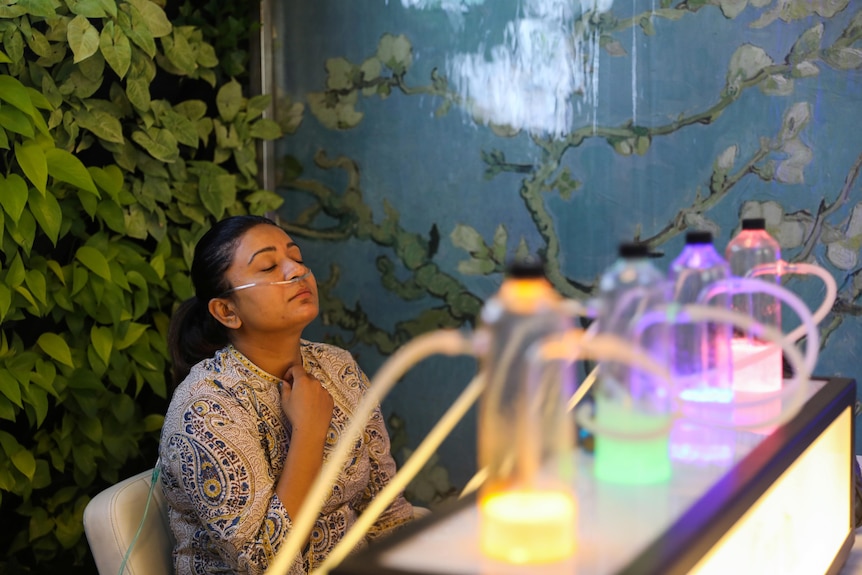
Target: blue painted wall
x,y
432,138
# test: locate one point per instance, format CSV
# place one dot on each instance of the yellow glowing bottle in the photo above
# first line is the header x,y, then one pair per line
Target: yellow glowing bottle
x,y
526,504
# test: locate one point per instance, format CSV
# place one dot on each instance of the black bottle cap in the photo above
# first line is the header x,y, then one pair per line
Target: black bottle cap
x,y
525,268
754,224
698,237
633,250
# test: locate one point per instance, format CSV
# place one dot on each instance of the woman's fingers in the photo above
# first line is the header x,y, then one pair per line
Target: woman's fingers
x,y
305,402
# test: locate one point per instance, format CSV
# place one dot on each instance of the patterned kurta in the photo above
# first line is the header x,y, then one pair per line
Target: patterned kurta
x,y
223,447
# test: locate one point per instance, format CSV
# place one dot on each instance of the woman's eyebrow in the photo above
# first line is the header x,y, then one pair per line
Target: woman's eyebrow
x,y
260,251
270,249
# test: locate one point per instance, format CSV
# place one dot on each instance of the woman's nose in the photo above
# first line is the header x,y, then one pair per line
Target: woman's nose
x,y
294,270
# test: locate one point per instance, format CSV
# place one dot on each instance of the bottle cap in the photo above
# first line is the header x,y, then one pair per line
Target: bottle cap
x,y
698,237
754,224
633,250
528,267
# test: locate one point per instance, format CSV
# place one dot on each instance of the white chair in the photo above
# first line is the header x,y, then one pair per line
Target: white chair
x,y
113,517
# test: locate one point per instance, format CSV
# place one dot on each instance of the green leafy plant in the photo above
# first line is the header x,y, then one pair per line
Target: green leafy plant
x,y
119,145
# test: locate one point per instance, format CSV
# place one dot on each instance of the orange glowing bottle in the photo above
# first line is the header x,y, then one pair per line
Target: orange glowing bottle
x,y
526,504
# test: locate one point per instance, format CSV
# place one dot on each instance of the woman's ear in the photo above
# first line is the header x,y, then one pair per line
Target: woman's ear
x,y
222,309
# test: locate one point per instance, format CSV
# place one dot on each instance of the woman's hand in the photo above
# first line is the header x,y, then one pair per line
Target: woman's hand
x,y
305,402
308,407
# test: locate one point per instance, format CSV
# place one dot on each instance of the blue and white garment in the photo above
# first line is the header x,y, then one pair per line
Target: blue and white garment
x,y
223,446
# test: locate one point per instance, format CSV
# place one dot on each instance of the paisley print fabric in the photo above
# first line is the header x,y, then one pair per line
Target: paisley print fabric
x,y
223,446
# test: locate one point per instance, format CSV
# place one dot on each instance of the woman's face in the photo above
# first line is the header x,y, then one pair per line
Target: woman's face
x,y
266,254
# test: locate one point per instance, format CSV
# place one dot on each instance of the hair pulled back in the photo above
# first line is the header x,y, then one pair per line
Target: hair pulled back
x,y
194,334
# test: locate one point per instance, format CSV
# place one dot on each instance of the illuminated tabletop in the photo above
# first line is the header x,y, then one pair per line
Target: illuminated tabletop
x,y
782,503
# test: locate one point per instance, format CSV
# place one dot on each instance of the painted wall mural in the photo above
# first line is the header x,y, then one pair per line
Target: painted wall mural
x,y
432,140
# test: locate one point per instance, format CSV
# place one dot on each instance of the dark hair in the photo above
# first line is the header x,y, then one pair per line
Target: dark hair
x,y
194,334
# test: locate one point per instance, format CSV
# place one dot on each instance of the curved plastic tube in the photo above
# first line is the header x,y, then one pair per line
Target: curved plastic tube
x,y
569,347
782,268
795,387
448,342
406,474
607,347
742,285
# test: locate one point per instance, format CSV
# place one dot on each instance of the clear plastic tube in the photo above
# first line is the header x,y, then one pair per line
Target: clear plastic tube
x,y
609,348
448,342
408,471
795,388
741,285
781,268
292,280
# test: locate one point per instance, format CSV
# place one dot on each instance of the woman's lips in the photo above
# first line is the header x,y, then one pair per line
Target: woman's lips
x,y
300,293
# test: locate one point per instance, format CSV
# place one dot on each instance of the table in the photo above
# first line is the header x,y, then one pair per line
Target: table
x,y
783,503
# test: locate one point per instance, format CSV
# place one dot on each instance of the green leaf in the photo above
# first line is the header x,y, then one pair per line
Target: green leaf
x,y
67,168
134,332
229,100
15,273
35,281
161,144
103,341
14,196
180,53
5,301
257,105
10,387
31,158
102,124
16,121
153,17
116,49
25,462
56,347
95,261
113,216
83,38
24,231
7,412
43,8
265,130
109,179
138,92
135,221
37,398
263,201
40,525
91,427
48,214
38,99
181,127
217,193
14,92
194,110
87,8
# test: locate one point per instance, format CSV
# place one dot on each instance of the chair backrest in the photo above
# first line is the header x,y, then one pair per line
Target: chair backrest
x,y
112,518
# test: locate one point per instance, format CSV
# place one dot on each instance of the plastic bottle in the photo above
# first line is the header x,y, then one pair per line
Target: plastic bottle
x,y
700,351
752,247
700,356
527,508
626,399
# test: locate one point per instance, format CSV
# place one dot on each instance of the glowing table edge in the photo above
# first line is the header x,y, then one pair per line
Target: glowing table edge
x,y
697,530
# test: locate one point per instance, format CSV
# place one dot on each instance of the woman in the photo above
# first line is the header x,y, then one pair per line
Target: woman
x,y
257,409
